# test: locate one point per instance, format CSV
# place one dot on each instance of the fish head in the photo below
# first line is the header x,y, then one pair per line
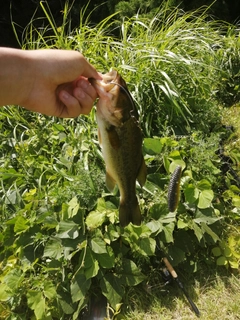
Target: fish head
x,y
115,104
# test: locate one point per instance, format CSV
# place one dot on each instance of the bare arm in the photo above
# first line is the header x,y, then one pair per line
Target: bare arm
x,y
52,82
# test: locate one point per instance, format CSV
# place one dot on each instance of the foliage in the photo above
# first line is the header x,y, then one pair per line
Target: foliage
x,y
60,240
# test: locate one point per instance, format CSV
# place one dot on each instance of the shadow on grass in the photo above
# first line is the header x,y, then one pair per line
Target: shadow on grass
x,y
215,292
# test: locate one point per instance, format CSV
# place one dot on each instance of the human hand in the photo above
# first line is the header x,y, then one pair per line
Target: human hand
x,y
52,82
60,85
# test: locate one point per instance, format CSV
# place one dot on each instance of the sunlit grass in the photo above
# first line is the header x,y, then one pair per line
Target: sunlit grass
x,y
174,63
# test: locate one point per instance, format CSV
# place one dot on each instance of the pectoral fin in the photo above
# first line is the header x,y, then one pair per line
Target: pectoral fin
x,y
110,182
142,174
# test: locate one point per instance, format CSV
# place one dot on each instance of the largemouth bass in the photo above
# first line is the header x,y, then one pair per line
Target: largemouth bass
x,y
120,137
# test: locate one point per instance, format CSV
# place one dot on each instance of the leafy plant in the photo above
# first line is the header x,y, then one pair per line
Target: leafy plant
x,y
60,240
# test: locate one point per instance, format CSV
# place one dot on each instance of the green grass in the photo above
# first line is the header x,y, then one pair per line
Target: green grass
x,y
60,242
216,294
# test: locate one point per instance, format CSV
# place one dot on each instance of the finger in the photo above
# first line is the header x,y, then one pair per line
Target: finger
x,y
85,100
89,71
85,86
71,107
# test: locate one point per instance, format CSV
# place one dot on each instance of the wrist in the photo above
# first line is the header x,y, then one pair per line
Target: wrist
x,y
15,76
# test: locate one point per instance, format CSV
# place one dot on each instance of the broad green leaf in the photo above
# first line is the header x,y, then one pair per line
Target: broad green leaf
x,y
205,199
14,278
152,146
158,210
53,249
174,164
5,292
112,288
216,251
91,266
209,231
168,231
155,226
92,271
204,185
147,246
49,290
73,207
98,245
95,219
191,193
131,274
36,302
21,225
79,287
65,301
158,180
181,224
222,261
67,230
106,260
206,217
227,252
197,230
177,255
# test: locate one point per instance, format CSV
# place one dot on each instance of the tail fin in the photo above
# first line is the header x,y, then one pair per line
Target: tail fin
x,y
129,211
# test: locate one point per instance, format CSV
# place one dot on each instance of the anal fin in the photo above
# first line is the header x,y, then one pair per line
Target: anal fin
x,y
142,174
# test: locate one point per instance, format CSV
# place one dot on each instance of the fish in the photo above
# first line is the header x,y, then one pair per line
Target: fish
x,y
120,138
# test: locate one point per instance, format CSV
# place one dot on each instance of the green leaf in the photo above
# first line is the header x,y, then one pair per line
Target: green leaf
x,y
206,218
209,231
131,275
36,302
79,287
205,199
95,219
197,230
53,249
152,146
106,260
216,251
155,226
112,288
191,193
67,230
49,290
98,245
168,231
147,246
13,278
21,225
204,185
222,261
181,224
5,292
177,255
90,265
73,207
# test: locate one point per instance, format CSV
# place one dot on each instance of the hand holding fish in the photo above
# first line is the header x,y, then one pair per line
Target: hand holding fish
x,y
52,82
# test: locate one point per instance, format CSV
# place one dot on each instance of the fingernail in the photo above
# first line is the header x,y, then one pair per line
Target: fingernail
x,y
65,95
80,94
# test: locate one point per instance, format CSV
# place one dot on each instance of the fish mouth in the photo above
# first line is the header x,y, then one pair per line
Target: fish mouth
x,y
109,80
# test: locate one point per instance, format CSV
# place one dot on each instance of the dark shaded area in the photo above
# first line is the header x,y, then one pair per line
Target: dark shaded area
x,y
21,12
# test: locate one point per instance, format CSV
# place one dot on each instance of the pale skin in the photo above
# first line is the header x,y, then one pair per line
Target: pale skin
x,y
51,82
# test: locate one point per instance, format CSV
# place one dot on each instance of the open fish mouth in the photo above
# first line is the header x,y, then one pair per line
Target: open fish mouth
x,y
108,82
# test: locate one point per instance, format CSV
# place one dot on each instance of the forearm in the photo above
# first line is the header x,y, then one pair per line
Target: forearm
x,y
15,76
